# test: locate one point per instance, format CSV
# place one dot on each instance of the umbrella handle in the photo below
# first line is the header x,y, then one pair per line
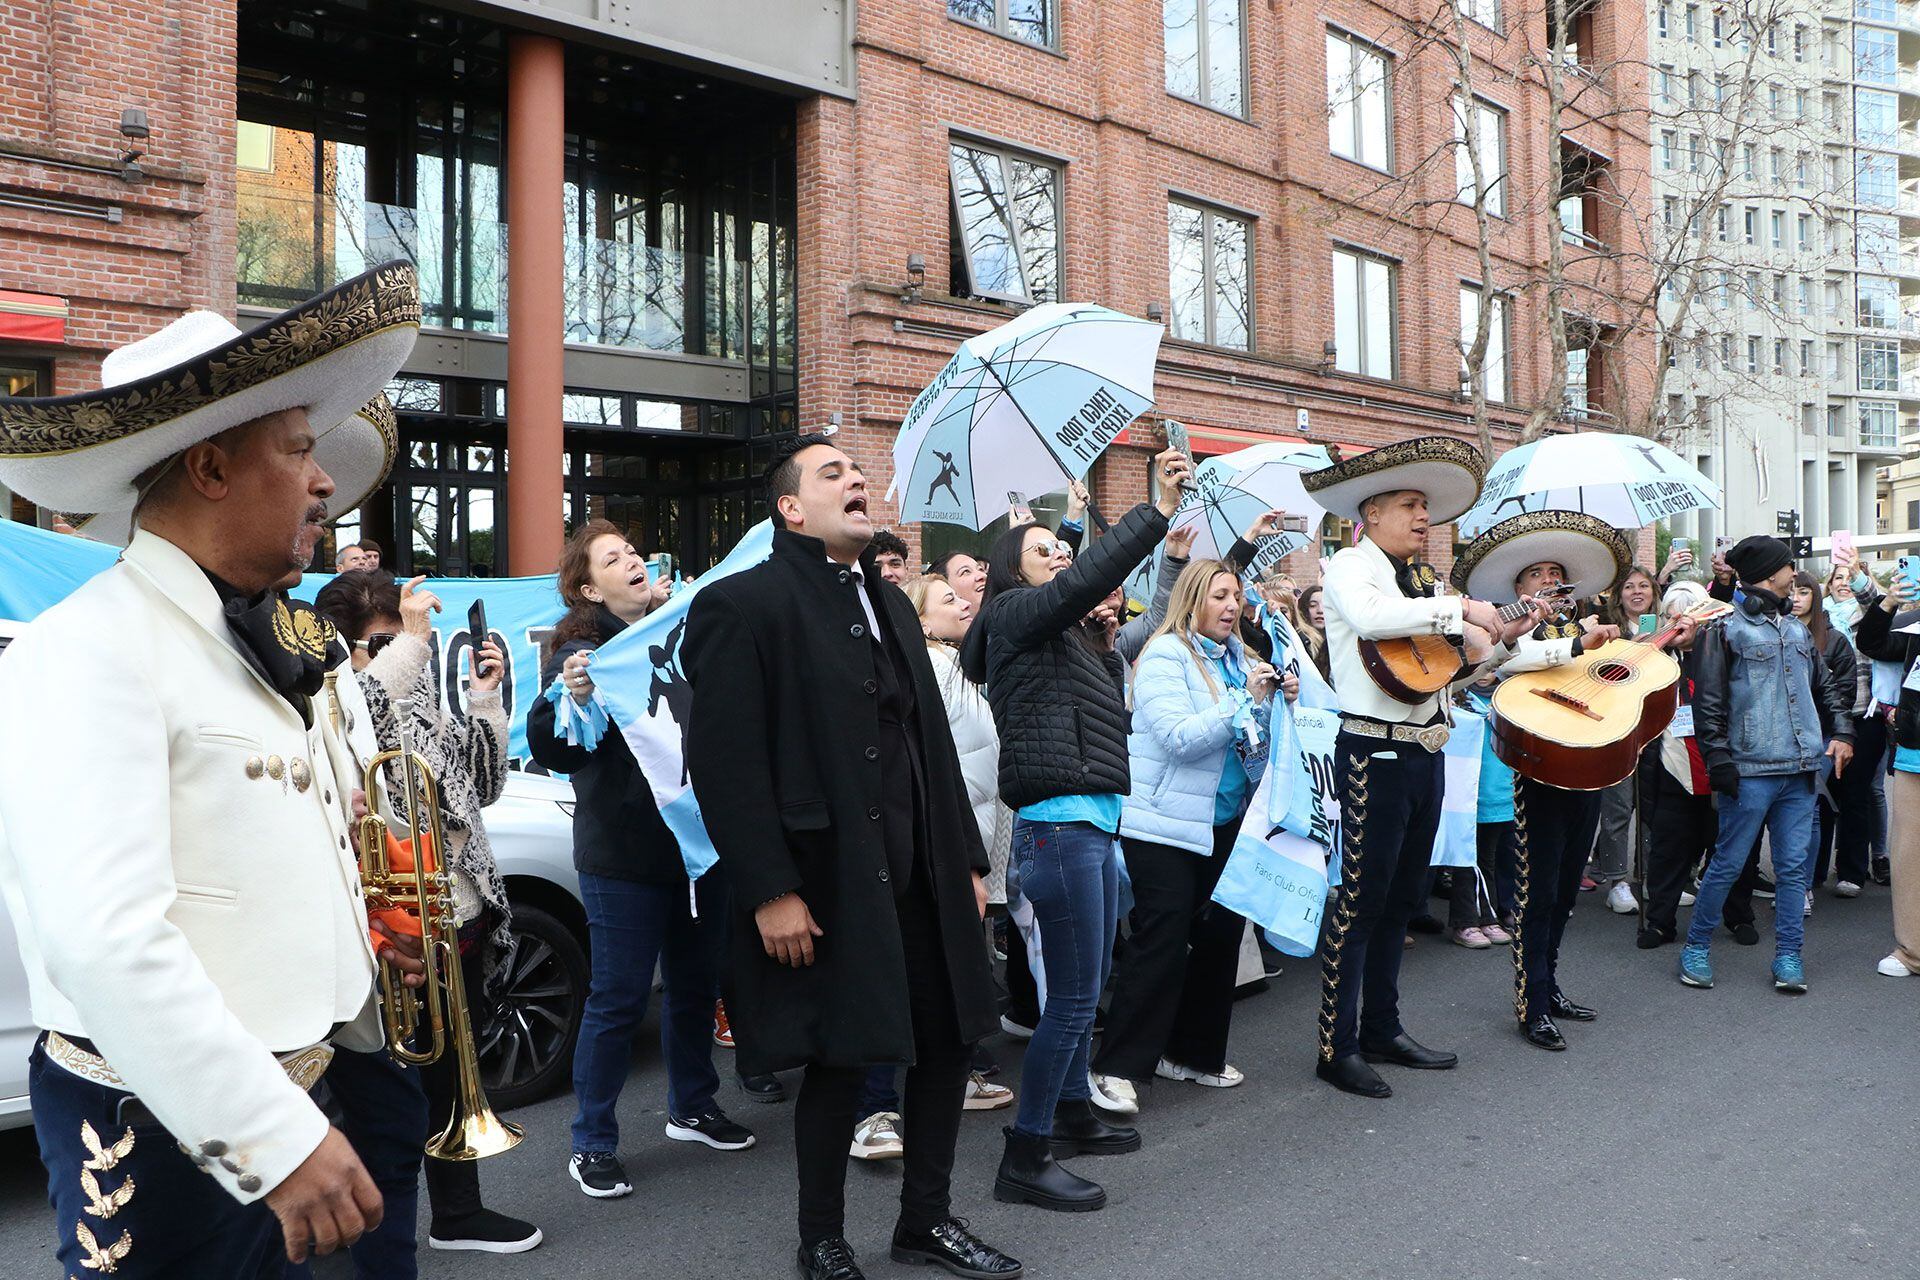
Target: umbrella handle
x,y
1099,521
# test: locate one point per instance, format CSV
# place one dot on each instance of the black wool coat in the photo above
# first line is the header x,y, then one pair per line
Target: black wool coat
x,y
783,752
1059,703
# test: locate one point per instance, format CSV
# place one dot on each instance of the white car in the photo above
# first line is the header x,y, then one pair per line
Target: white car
x,y
525,1036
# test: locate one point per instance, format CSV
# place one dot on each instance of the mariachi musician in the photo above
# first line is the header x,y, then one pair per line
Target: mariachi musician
x,y
176,847
1387,757
1553,827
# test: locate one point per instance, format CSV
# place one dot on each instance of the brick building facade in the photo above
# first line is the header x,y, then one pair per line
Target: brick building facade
x,y
1094,104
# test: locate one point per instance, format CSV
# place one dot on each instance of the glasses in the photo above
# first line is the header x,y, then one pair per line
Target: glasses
x,y
374,643
1050,547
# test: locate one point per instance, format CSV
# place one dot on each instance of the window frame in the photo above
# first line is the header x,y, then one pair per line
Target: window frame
x,y
1495,193
1203,28
1358,44
1209,276
1006,155
999,25
1362,256
1501,330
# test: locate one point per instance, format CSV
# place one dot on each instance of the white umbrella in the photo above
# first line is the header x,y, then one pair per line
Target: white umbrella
x,y
1628,481
1232,490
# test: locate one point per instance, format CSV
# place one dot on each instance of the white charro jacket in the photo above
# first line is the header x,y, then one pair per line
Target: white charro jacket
x,y
1364,602
176,853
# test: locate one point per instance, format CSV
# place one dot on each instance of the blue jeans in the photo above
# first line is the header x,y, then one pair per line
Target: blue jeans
x,y
1070,873
1783,803
632,926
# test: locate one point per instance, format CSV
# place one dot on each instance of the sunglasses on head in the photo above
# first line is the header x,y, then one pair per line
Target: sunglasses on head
x,y
374,643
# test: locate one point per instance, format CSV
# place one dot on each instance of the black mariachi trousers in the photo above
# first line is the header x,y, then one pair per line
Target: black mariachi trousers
x,y
1390,794
1553,831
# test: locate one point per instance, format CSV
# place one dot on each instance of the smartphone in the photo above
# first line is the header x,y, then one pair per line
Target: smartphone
x,y
477,622
659,566
1840,543
1294,524
1177,439
1907,568
1722,545
1649,623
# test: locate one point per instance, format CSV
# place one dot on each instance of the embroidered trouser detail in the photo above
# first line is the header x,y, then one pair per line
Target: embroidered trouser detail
x,y
1522,889
1353,822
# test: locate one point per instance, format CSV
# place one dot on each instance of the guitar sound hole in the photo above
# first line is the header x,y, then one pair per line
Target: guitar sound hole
x,y
1612,673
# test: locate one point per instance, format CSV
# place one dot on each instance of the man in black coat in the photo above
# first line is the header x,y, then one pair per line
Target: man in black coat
x,y
827,777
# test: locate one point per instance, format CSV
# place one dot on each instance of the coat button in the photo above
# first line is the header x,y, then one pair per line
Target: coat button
x,y
256,767
873,753
871,686
213,1148
250,1183
845,576
883,875
275,767
856,630
873,815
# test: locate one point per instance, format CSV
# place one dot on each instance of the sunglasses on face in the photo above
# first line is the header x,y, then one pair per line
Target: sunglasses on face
x,y
1050,547
374,643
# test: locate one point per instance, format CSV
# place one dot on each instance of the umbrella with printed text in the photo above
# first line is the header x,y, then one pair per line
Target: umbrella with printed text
x,y
1021,409
1232,490
1627,481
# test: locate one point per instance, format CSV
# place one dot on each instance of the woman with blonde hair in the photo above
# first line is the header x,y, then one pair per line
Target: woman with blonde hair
x,y
1197,748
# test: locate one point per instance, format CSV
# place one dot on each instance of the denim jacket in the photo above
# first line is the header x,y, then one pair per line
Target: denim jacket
x,y
1761,686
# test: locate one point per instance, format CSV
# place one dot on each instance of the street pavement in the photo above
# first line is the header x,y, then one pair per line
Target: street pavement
x,y
1687,1135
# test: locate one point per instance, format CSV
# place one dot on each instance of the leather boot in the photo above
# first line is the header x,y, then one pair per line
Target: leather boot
x,y
1029,1175
1079,1131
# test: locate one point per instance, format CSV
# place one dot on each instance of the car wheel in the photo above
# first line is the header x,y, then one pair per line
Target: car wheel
x,y
526,1035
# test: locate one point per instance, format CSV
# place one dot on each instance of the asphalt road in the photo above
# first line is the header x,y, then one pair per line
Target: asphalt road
x,y
1687,1135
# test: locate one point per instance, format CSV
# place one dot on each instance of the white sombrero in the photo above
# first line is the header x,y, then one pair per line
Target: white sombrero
x,y
201,375
1447,471
1590,552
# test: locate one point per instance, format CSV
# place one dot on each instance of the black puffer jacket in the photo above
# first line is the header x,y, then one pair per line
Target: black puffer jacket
x,y
617,827
1879,636
1060,704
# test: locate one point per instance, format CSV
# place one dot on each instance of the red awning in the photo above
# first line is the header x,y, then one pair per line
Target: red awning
x,y
32,317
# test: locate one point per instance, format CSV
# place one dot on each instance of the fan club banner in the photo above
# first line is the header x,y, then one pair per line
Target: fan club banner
x,y
641,678
38,569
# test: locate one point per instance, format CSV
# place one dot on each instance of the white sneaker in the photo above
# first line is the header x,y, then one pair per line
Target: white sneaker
x,y
1809,910
878,1138
1894,967
1620,899
1845,889
984,1095
1686,899
1114,1093
1226,1078
1018,1031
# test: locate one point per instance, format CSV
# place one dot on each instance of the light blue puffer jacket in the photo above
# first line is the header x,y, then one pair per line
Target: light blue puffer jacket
x,y
1182,732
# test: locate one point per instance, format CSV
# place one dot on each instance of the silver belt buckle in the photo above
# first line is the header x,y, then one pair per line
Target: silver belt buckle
x,y
1433,737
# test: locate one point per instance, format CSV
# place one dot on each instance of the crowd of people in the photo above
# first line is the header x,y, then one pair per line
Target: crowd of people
x,y
911,772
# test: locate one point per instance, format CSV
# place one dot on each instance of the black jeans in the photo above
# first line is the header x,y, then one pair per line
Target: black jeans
x,y
1173,990
1680,830
1553,833
1390,794
1468,905
1858,818
936,1088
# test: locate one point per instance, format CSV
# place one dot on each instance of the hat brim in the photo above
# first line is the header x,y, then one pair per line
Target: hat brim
x,y
331,356
357,454
1590,552
1448,471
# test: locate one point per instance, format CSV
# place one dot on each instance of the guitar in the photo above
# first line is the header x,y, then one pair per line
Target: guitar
x,y
1412,669
1582,725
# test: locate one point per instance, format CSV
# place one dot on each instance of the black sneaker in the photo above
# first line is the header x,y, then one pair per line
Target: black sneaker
x,y
765,1088
714,1129
600,1174
1763,887
485,1232
1746,935
1882,870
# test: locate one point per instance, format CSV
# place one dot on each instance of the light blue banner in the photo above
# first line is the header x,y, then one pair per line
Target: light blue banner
x,y
640,676
38,569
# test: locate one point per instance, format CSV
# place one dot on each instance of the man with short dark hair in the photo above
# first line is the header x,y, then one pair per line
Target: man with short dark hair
x,y
827,777
1759,689
890,555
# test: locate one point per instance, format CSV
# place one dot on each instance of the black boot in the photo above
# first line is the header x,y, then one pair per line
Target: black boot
x,y
1079,1131
1029,1175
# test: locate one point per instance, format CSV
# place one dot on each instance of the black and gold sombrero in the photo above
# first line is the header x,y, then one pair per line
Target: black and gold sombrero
x,y
1590,552
1448,471
201,375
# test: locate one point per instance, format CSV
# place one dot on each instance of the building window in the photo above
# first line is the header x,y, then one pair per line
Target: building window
x,y
1879,425
1879,302
1669,149
1836,359
1484,12
1753,354
1663,19
1364,311
1836,421
1879,365
1873,180
1806,358
1777,229
1876,118
1779,355
1876,56
1750,225
1493,369
253,150
1874,10
1583,175
1210,276
1006,225
1488,126
1803,231
1206,52
1030,21
1359,108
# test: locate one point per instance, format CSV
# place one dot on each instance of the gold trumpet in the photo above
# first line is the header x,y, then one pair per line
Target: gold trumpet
x,y
407,886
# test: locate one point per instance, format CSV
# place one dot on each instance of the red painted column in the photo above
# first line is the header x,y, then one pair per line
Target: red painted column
x,y
536,292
